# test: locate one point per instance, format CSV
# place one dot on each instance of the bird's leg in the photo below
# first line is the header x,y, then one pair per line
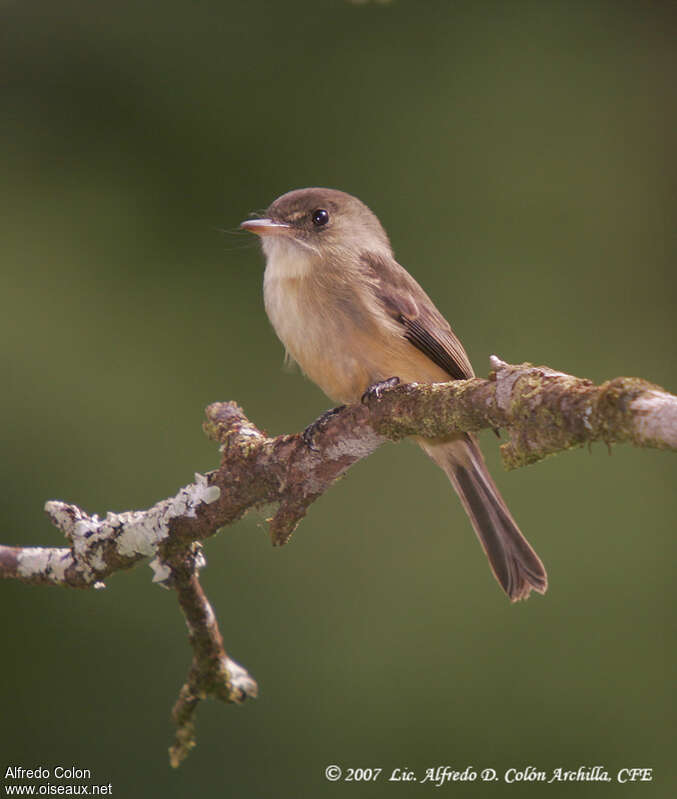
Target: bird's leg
x,y
375,390
308,435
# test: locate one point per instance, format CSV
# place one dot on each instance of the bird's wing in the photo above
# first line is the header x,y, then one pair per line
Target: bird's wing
x,y
422,324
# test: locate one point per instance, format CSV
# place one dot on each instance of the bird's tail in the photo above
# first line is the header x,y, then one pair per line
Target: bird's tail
x,y
515,564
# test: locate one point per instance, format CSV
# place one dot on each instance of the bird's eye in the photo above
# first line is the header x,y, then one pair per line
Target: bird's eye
x,y
320,217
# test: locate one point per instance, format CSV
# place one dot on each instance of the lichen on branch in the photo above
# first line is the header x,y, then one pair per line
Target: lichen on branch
x,y
542,411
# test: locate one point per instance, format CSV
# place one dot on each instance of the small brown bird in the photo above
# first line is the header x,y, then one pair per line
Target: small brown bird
x,y
352,318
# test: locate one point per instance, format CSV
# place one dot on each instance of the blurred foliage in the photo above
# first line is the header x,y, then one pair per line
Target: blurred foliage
x,y
522,157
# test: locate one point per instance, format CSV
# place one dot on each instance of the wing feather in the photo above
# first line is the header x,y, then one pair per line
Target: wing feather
x,y
422,324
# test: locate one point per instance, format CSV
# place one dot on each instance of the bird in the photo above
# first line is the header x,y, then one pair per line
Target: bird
x,y
355,320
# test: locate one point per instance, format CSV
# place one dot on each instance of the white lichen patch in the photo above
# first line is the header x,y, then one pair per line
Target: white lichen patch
x,y
249,431
44,562
239,678
142,531
61,514
587,413
205,493
656,417
355,447
161,572
505,381
245,431
210,618
200,560
87,536
132,533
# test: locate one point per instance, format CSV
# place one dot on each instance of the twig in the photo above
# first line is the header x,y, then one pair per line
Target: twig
x,y
212,672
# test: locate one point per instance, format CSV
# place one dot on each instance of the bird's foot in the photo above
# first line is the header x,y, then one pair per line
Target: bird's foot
x,y
308,435
376,390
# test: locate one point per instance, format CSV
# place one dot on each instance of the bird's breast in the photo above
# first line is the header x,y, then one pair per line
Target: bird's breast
x,y
323,325
333,325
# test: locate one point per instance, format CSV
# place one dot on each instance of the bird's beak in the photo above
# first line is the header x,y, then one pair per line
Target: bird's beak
x,y
266,227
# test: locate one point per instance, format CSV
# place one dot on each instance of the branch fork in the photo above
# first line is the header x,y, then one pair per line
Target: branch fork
x,y
542,410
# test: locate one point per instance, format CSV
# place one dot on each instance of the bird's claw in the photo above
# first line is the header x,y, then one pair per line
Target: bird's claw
x,y
308,435
376,390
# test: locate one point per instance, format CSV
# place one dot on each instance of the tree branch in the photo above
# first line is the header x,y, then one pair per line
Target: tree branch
x,y
542,410
212,672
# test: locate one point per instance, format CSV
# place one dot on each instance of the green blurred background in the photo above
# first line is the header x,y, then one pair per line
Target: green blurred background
x,y
522,157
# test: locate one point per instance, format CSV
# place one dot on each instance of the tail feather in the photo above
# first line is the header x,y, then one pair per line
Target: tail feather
x,y
516,566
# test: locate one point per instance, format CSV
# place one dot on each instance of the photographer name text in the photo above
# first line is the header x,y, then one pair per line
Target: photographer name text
x,y
441,775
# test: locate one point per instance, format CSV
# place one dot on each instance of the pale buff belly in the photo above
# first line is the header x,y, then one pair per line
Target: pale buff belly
x,y
342,345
